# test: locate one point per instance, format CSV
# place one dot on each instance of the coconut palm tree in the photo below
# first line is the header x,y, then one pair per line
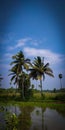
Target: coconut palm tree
x,y
39,69
20,63
60,77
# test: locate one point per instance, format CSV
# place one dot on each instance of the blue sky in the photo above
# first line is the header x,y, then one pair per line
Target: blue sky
x,y
37,27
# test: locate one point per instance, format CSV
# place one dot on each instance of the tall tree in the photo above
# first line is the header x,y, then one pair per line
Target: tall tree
x,y
60,77
39,69
20,63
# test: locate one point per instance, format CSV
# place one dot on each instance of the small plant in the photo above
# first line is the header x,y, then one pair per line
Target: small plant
x,y
60,97
11,121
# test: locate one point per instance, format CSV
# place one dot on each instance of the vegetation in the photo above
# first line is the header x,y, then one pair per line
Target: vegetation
x,y
21,78
37,70
12,94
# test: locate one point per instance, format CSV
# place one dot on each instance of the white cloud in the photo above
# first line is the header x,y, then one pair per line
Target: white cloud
x,y
20,43
49,56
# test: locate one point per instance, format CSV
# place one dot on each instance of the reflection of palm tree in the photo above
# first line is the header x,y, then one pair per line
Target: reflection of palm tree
x,y
25,118
38,70
60,77
41,112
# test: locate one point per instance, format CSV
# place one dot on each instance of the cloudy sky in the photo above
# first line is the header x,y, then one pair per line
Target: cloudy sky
x,y
37,27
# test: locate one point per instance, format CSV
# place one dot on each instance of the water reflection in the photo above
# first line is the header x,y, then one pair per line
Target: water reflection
x,y
37,118
25,118
31,118
53,120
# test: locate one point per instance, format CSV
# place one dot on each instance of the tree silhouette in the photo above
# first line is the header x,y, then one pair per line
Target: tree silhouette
x,y
39,69
19,64
60,77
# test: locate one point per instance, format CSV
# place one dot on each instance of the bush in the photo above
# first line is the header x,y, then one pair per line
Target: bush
x,y
29,94
60,97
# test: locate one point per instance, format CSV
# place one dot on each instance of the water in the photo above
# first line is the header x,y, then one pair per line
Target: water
x,y
31,118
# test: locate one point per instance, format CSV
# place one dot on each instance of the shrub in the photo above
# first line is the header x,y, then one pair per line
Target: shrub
x,y
60,97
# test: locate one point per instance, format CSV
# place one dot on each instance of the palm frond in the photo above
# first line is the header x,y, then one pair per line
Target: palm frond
x,y
26,66
14,57
48,69
49,73
13,77
37,61
14,62
11,74
45,66
27,60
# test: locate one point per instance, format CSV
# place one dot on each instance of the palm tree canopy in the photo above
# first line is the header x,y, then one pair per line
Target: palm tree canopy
x,y
60,76
19,63
20,60
38,69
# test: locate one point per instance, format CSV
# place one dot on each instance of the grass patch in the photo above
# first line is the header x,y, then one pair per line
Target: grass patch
x,y
46,97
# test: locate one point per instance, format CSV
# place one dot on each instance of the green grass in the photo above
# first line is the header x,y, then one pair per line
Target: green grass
x,y
59,96
53,105
47,97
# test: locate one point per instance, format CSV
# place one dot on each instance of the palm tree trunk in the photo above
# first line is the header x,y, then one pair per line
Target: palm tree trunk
x,y
23,89
41,86
60,83
17,85
36,84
